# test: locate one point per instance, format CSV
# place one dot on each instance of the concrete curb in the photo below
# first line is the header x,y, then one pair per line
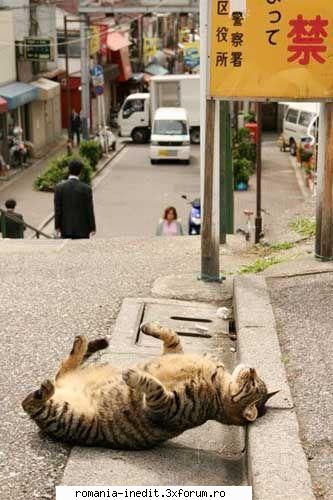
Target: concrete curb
x,y
50,217
190,287
276,461
306,193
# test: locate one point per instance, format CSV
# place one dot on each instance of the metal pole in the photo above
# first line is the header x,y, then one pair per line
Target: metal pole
x,y
226,174
85,78
68,89
258,221
324,226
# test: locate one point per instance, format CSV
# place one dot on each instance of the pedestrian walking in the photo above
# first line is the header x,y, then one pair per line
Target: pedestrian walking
x,y
9,227
73,205
75,127
169,225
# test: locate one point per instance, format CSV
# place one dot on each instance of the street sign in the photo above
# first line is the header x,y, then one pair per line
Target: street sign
x,y
38,49
191,51
97,74
271,49
99,90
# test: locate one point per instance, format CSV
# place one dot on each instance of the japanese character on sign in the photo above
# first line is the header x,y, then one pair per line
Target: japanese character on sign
x,y
221,58
222,7
275,18
236,59
221,34
278,16
237,18
271,34
308,39
237,39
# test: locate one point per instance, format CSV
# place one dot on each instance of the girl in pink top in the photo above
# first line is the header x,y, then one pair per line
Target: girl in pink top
x,y
169,226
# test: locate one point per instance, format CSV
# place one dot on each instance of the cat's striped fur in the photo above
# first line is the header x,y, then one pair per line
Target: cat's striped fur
x,y
144,405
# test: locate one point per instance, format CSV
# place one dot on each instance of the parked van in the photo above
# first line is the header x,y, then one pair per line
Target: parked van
x,y
170,139
300,123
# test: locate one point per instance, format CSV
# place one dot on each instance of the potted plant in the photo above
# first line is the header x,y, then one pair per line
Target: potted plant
x,y
242,171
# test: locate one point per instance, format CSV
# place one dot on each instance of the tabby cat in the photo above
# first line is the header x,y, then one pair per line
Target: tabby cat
x,y
147,404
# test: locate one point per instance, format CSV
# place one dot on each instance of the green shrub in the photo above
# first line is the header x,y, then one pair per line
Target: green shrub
x,y
243,135
57,171
242,170
246,149
250,117
92,150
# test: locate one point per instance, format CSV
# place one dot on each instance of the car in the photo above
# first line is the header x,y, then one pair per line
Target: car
x,y
170,139
301,120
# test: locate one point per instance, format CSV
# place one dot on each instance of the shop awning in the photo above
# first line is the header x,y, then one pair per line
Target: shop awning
x,y
117,41
3,105
156,69
17,94
47,89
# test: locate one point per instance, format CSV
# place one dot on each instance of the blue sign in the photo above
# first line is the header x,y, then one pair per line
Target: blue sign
x,y
97,70
99,90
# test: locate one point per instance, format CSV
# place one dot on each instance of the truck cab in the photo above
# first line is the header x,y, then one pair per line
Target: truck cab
x,y
134,118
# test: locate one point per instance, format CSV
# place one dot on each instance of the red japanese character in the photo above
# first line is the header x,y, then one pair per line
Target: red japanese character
x,y
308,37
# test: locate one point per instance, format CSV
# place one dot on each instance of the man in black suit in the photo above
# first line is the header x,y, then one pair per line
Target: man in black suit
x,y
10,227
73,205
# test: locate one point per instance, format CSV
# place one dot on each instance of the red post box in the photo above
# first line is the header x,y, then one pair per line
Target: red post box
x,y
253,128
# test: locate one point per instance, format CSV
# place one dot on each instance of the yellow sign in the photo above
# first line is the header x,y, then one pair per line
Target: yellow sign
x,y
95,40
150,46
271,48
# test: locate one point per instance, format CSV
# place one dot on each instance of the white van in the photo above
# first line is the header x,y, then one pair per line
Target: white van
x,y
170,139
300,122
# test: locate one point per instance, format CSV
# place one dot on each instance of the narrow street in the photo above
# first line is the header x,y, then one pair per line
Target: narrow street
x,y
131,194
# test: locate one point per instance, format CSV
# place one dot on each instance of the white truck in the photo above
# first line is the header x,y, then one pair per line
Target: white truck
x,y
170,91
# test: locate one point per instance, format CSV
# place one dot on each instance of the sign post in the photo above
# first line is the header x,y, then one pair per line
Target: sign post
x,y
278,51
324,227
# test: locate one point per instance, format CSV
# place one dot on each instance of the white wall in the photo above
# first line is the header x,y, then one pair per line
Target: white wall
x,y
21,16
46,16
7,48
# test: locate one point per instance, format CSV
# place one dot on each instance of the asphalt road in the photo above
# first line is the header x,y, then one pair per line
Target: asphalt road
x,y
304,315
131,195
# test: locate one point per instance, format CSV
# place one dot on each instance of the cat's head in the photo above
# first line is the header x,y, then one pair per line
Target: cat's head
x,y
247,396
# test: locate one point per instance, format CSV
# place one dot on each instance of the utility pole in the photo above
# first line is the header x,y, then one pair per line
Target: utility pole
x,y
258,221
68,89
85,77
226,174
210,257
324,227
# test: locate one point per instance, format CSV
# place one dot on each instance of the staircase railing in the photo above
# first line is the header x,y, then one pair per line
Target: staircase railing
x,y
5,215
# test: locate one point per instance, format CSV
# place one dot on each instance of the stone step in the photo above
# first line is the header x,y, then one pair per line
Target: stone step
x,y
31,245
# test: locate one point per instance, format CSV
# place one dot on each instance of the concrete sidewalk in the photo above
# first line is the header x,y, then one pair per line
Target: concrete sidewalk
x,y
281,190
34,205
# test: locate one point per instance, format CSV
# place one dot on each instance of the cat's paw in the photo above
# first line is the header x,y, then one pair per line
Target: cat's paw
x,y
131,377
79,346
46,391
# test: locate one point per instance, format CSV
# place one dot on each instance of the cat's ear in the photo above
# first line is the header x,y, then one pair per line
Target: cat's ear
x,y
250,413
270,395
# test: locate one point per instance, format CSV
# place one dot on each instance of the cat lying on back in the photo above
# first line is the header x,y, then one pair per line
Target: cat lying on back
x,y
147,404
